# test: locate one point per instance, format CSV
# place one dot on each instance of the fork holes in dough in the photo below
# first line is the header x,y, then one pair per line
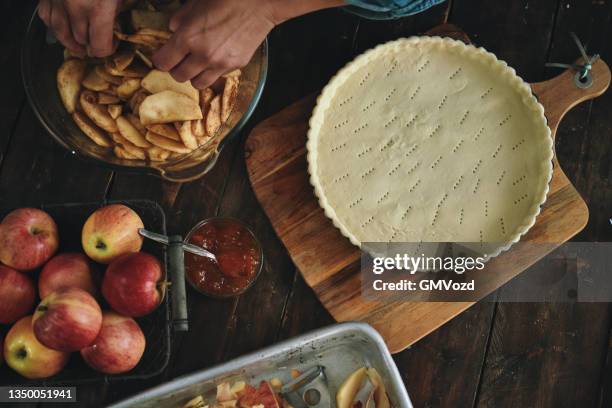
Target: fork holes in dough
x,y
405,214
477,166
390,122
475,189
393,67
363,152
464,117
520,199
414,118
339,179
433,132
357,201
395,169
382,198
496,152
422,67
339,147
366,222
505,120
519,180
390,94
516,146
436,162
368,172
454,74
442,102
360,128
501,177
457,146
365,79
457,182
341,124
345,101
368,106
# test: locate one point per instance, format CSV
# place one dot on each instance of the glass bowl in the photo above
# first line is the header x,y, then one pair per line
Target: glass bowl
x,y
258,248
41,56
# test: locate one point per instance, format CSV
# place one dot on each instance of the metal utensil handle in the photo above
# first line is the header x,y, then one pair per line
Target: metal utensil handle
x,y
176,263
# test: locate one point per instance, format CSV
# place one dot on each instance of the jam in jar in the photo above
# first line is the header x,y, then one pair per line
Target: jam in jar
x,y
239,257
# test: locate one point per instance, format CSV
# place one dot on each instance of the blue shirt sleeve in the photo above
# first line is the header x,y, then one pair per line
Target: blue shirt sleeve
x,y
389,9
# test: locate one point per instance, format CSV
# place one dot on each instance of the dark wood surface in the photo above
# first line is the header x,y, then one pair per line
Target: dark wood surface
x,y
494,354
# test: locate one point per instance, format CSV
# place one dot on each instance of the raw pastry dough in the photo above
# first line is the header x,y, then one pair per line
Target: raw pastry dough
x,y
430,140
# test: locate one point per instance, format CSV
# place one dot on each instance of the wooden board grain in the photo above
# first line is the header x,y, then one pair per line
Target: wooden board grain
x,y
276,162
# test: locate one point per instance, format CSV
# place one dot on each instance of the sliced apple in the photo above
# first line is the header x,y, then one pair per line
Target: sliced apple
x,y
96,112
349,388
213,116
224,392
380,393
69,78
95,82
230,94
96,134
166,143
102,73
157,81
168,106
165,130
127,89
131,133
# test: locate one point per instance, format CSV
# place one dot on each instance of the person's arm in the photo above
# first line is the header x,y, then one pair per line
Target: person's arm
x,y
212,37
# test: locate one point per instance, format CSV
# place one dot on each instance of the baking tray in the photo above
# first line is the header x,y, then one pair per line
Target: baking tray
x,y
155,326
341,349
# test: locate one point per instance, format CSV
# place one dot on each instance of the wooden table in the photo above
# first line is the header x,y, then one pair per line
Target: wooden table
x,y
494,354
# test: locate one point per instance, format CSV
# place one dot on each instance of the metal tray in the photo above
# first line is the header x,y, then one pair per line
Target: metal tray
x,y
341,349
157,326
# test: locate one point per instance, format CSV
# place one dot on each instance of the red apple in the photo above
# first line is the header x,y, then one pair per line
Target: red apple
x,y
67,320
17,295
133,284
110,232
26,355
28,238
64,271
118,347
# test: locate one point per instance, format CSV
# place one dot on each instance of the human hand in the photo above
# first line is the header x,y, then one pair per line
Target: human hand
x,y
82,26
212,37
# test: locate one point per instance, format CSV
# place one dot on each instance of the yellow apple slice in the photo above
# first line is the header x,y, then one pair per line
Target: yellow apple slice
x,y
158,154
166,130
187,136
349,388
95,82
380,392
69,78
91,130
127,89
166,143
168,106
157,81
213,116
228,100
114,110
96,112
131,133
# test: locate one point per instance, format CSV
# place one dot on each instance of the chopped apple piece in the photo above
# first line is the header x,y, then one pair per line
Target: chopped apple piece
x,y
224,392
349,388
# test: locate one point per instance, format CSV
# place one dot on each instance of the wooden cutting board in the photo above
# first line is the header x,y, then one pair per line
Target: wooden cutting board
x,y
330,264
